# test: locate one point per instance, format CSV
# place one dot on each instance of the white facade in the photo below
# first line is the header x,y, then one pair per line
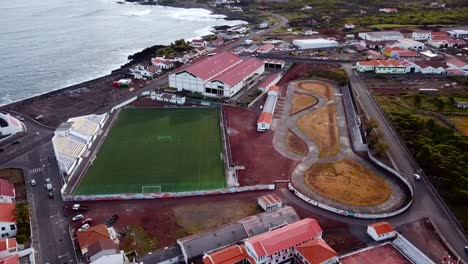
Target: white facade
x,y
421,35
381,35
275,258
432,70
7,229
109,259
410,44
10,125
379,237
139,72
458,33
390,70
314,43
169,98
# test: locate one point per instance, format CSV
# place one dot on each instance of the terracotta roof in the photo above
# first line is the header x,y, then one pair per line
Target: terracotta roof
x,y
198,40
274,88
101,245
91,235
270,199
282,238
153,68
236,74
6,188
7,243
7,212
229,255
438,33
456,62
433,64
369,63
268,80
382,228
407,53
316,251
209,67
265,117
266,47
10,260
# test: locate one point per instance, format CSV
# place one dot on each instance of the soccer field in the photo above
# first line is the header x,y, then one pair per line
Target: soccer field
x,y
173,150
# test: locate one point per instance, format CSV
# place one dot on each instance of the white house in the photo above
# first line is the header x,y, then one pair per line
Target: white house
x,y
349,26
7,191
381,231
168,98
7,220
458,33
431,67
388,10
410,44
314,43
198,43
105,252
270,202
380,35
163,64
221,75
141,72
421,35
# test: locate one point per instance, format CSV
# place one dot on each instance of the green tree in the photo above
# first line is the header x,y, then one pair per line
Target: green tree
x,y
417,101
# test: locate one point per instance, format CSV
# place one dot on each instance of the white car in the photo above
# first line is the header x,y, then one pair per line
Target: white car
x,y
83,227
77,217
417,177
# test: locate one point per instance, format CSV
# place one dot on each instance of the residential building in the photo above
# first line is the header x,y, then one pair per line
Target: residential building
x,y
349,26
314,43
445,42
7,191
92,235
283,47
431,67
381,66
269,82
381,231
162,63
458,33
221,75
410,44
7,220
8,247
168,98
380,35
141,72
316,251
10,125
455,63
217,42
14,259
279,244
310,32
201,50
266,48
251,48
235,254
270,202
264,121
274,64
421,35
388,10
105,252
198,43
401,54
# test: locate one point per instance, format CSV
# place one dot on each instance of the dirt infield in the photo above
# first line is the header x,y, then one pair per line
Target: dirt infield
x,y
386,254
302,101
319,88
254,150
321,126
295,144
461,122
348,182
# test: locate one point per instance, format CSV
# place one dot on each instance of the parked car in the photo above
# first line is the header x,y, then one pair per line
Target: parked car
x,y
33,182
83,227
39,117
417,177
87,221
50,194
77,217
111,220
78,207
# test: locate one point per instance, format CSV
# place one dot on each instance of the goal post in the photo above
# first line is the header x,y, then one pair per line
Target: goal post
x,y
164,138
150,189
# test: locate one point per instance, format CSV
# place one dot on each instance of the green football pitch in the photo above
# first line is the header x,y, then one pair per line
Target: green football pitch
x,y
153,150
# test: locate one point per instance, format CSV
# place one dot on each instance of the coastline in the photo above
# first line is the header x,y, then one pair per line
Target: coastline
x,y
135,58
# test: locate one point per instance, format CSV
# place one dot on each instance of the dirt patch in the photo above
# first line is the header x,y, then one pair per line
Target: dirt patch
x,y
302,101
16,177
348,182
424,236
137,239
321,126
295,144
461,122
254,150
385,254
319,88
342,240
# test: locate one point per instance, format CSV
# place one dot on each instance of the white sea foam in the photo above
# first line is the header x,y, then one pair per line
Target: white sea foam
x,y
137,13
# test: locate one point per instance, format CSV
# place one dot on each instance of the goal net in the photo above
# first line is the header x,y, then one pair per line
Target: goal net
x,y
164,138
150,189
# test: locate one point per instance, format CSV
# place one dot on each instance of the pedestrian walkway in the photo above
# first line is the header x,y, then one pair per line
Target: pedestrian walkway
x,y
36,170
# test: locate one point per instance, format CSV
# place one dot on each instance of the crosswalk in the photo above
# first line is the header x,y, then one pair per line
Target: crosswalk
x,y
36,170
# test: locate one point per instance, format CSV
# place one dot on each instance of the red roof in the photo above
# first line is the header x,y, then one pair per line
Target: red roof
x,y
209,67
438,34
316,251
369,63
274,88
270,199
153,68
10,260
266,47
268,80
293,234
198,41
456,62
91,235
7,243
229,255
6,188
265,117
382,228
407,53
236,74
7,212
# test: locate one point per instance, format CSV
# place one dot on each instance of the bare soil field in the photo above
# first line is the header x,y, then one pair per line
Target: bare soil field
x,y
319,88
302,101
321,126
295,144
386,254
423,235
16,177
342,240
461,122
348,182
254,150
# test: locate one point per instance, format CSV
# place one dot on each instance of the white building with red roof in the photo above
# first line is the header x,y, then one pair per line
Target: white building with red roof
x,y
381,231
7,220
162,63
221,75
457,64
7,192
266,48
270,202
266,117
269,82
198,43
279,245
381,66
229,255
316,251
8,247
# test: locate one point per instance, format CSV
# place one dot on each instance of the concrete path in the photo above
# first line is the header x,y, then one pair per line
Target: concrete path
x,y
287,122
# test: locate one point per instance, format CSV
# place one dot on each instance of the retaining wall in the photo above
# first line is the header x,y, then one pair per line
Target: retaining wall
x,y
123,103
140,196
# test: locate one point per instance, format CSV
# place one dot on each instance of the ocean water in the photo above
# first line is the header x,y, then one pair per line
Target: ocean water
x,y
50,44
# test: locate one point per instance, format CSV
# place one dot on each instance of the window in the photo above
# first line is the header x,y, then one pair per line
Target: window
x,y
3,228
12,227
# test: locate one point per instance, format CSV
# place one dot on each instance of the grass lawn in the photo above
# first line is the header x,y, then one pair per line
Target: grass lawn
x,y
177,149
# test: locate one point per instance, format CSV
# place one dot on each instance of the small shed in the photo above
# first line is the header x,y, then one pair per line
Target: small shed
x,y
381,231
270,202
